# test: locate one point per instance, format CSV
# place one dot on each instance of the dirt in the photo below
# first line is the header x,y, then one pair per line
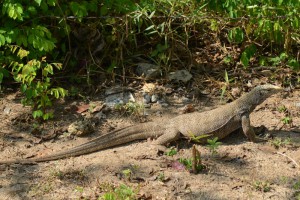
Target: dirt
x,y
239,170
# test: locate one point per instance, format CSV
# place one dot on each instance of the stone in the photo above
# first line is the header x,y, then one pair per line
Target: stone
x,y
181,75
154,98
149,71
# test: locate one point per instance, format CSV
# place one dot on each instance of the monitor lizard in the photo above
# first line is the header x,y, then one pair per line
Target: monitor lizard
x,y
218,122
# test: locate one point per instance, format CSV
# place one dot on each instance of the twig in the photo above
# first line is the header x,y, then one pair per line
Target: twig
x,y
288,158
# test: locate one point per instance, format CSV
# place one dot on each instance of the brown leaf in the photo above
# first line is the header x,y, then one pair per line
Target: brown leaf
x,y
82,108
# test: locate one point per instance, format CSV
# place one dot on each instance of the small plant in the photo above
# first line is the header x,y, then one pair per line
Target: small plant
x,y
57,173
281,108
187,162
127,173
226,84
213,145
161,177
41,188
297,195
197,165
39,92
79,189
171,152
121,192
279,142
192,165
287,120
263,186
296,186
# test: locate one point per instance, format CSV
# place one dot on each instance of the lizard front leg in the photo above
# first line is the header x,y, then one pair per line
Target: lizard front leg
x,y
247,129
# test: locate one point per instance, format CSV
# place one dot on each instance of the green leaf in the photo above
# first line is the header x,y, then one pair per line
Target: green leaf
x,y
37,113
78,10
150,27
262,61
23,87
2,40
294,64
48,115
1,77
236,35
214,26
248,54
103,10
51,2
5,72
38,2
32,10
15,11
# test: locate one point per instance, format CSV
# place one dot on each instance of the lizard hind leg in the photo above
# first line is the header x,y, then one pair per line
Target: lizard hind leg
x,y
169,135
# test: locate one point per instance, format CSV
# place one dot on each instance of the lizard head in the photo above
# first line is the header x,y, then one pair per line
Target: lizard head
x,y
262,92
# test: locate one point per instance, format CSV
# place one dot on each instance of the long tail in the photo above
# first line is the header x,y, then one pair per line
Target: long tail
x,y
108,140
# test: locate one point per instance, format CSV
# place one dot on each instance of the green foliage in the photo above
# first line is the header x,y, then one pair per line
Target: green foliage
x,y
236,35
121,192
161,177
38,93
163,31
296,185
198,138
127,173
279,142
248,54
171,152
263,186
187,162
226,84
281,108
287,120
213,145
23,47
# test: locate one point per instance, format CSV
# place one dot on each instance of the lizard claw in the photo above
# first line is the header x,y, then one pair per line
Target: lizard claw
x,y
158,148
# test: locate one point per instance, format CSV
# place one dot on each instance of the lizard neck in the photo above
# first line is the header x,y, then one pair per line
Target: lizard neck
x,y
247,102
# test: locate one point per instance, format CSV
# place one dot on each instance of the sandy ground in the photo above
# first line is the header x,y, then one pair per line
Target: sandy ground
x,y
240,170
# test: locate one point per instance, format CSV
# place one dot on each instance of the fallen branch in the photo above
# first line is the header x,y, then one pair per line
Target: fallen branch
x,y
288,158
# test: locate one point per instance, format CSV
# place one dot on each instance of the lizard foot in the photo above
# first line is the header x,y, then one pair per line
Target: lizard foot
x,y
259,140
158,149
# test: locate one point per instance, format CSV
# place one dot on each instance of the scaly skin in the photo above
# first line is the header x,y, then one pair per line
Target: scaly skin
x,y
219,122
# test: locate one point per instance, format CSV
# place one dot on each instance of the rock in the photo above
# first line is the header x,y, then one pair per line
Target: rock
x,y
180,75
7,110
118,95
185,100
100,115
158,113
149,71
154,98
81,128
117,89
164,105
297,104
147,99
